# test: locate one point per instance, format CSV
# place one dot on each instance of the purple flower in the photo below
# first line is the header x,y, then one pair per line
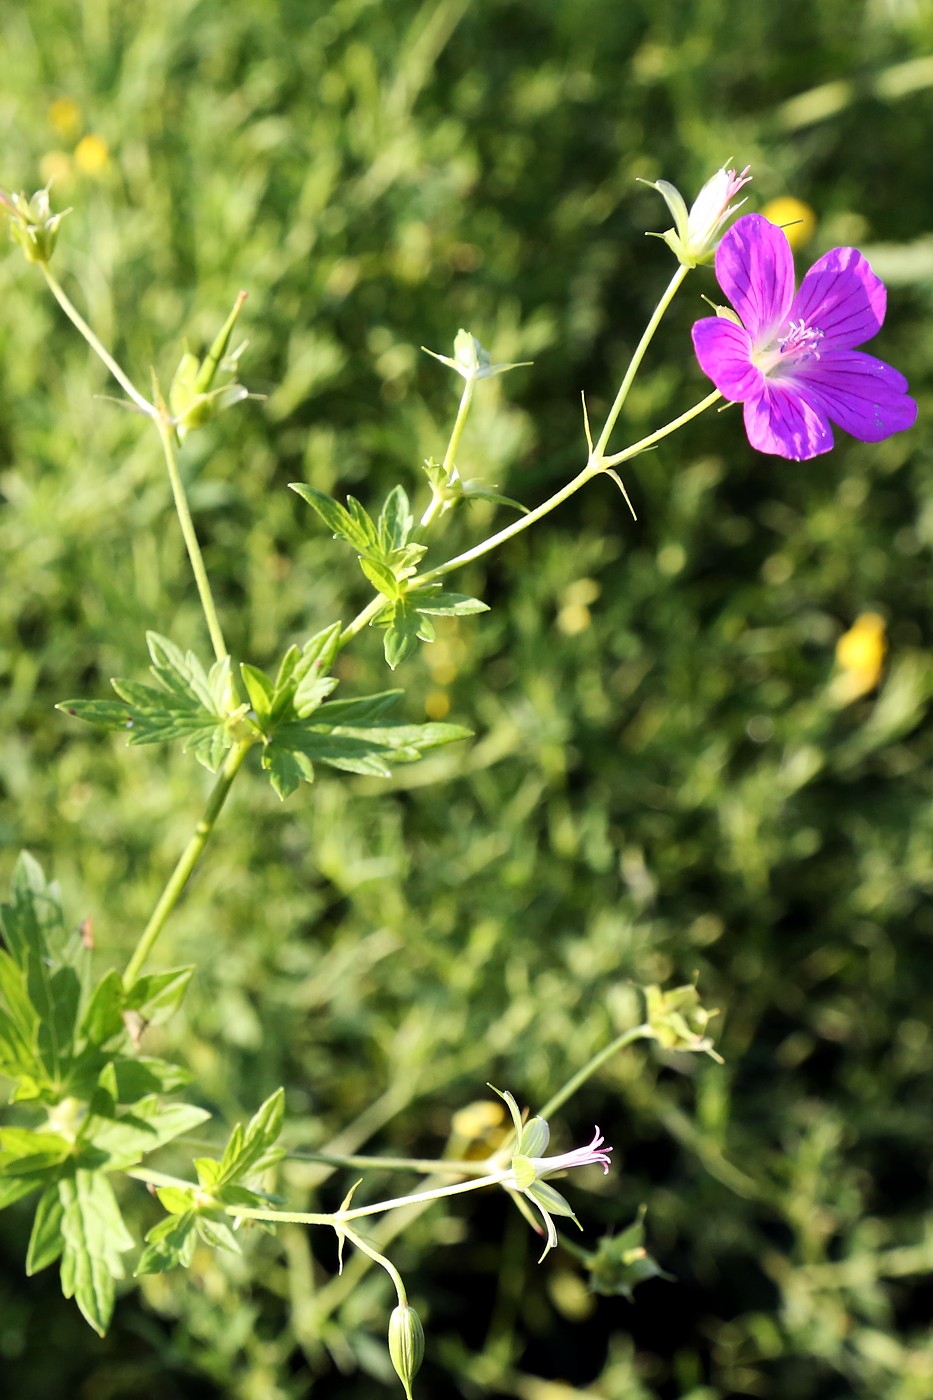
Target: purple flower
x,y
791,360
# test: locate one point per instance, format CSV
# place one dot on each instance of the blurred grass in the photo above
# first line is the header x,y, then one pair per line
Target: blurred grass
x,y
662,780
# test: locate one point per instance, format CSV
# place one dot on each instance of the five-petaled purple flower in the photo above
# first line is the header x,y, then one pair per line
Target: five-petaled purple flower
x,y
792,361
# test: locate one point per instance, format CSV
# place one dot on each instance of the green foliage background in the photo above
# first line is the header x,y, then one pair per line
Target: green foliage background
x,y
659,783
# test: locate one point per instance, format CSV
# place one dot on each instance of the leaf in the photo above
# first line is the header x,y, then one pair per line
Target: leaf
x,y
260,690
158,995
246,1148
395,521
32,922
21,1011
352,525
17,1053
286,768
169,1244
25,1151
127,1079
216,1233
124,1139
402,632
361,712
177,1200
188,703
94,1239
103,1016
107,714
46,1241
443,604
14,1188
38,942
381,576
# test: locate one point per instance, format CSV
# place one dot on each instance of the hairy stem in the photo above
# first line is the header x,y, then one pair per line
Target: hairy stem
x,y
647,336
167,436
629,1037
187,861
81,325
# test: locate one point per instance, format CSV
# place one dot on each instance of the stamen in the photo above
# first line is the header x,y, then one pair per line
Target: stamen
x,y
801,340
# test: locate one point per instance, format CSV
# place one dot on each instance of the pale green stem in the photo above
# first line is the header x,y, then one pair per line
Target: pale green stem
x,y
167,435
80,324
374,606
428,1166
340,1217
187,861
437,498
593,468
671,427
589,471
629,1037
378,1258
637,357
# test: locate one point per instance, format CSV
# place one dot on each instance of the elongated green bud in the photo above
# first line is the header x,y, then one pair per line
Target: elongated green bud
x,y
406,1344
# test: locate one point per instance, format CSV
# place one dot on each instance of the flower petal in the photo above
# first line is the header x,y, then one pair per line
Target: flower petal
x,y
782,421
863,395
842,297
755,268
724,352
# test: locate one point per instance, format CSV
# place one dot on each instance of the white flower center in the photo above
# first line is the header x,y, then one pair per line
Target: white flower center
x,y
799,342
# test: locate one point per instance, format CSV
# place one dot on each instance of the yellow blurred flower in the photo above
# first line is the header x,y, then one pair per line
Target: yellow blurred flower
x,y
859,657
796,219
65,116
92,154
478,1129
437,704
55,168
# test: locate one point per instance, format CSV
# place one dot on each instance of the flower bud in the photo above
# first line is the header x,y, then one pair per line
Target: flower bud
x,y
32,224
406,1344
678,1019
694,237
193,400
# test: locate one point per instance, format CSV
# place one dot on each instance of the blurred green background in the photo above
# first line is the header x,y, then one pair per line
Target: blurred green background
x,y
671,772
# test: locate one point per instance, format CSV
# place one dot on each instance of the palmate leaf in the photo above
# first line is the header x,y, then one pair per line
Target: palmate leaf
x,y
188,703
406,620
201,1211
355,736
40,980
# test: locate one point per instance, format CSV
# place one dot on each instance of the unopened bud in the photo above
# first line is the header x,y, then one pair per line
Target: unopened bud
x,y
32,224
406,1344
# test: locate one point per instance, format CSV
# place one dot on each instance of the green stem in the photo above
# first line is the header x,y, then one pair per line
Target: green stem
x,y
187,861
340,1217
374,606
644,443
594,467
629,1037
80,324
597,462
167,435
378,1258
646,339
448,468
591,469
428,1166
